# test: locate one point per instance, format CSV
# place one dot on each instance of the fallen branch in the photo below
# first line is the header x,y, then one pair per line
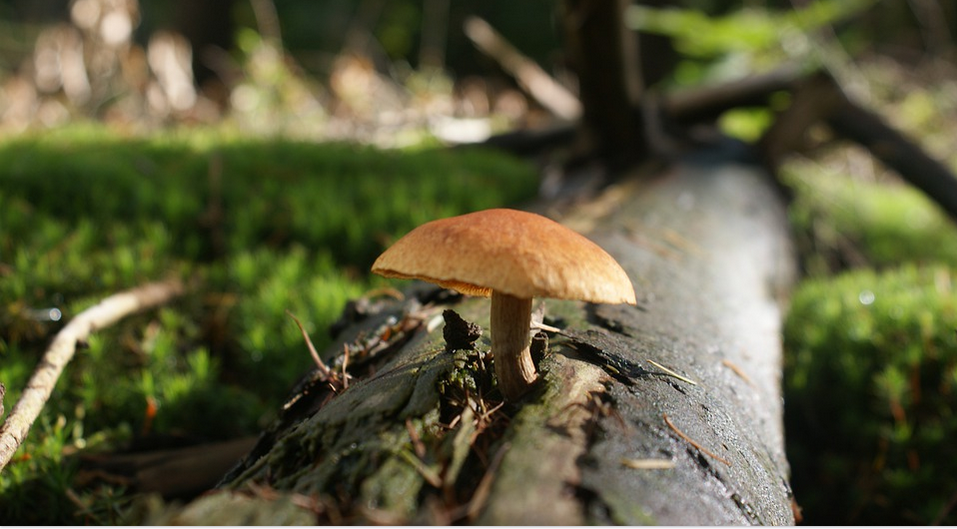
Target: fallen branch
x,y
533,79
696,105
819,98
173,472
60,352
898,152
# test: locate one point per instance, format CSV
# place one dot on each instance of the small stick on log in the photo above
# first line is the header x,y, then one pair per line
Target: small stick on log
x,y
529,75
692,442
60,352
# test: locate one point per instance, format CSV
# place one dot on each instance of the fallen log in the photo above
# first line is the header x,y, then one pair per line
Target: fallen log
x,y
668,412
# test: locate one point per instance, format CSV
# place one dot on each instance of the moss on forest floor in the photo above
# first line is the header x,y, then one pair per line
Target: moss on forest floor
x,y
871,362
267,225
272,226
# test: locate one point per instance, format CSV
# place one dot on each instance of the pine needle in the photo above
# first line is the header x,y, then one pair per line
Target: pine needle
x,y
692,442
672,373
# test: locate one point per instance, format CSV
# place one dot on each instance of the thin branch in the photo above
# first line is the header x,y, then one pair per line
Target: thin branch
x,y
60,352
898,152
480,496
267,20
737,371
819,98
529,75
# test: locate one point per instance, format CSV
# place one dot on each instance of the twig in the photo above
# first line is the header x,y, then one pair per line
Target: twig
x,y
60,352
345,364
737,371
428,474
416,441
536,82
323,368
692,442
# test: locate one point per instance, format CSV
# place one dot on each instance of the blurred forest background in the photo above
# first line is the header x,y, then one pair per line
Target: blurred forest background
x,y
273,149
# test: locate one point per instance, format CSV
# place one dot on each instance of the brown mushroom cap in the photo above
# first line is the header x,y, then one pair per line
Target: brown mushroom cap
x,y
514,252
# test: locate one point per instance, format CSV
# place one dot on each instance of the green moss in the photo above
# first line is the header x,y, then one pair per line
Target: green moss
x,y
267,226
871,394
871,352
842,221
345,198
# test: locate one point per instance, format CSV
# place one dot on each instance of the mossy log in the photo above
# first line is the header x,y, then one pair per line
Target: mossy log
x,y
668,412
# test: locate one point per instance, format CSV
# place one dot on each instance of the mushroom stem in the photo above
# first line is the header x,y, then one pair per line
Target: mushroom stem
x,y
511,319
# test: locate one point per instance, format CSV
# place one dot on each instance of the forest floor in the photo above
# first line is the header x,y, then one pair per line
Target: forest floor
x,y
275,222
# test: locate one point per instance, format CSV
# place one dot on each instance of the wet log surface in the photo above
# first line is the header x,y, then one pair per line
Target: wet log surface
x,y
668,412
712,264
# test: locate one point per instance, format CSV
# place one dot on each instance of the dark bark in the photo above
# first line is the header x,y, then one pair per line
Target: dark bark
x,y
604,54
815,99
898,152
688,380
172,473
207,24
818,98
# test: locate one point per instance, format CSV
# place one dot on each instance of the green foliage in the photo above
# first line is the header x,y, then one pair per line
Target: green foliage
x,y
265,226
871,367
745,37
871,352
749,39
843,221
746,124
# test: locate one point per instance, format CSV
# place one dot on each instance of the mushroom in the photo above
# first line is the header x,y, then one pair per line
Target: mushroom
x,y
512,256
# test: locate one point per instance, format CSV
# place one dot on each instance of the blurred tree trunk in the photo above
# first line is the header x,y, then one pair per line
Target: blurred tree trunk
x,y
665,413
657,54
206,24
605,56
